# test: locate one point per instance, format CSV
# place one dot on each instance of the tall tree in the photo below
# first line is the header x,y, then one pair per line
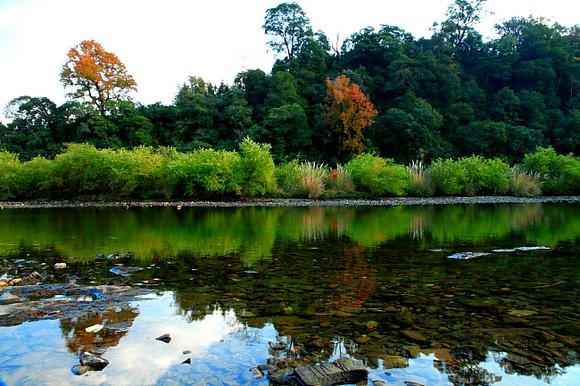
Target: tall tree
x,y
348,113
462,16
289,27
97,75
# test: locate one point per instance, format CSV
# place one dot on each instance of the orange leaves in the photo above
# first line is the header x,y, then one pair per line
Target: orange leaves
x,y
348,112
96,74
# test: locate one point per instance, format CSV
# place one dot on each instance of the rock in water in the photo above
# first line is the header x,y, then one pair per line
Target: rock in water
x,y
164,338
93,361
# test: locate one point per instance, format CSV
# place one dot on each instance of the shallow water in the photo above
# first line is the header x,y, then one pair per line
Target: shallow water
x,y
437,295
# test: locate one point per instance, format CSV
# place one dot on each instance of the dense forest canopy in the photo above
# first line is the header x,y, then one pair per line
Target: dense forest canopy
x,y
447,96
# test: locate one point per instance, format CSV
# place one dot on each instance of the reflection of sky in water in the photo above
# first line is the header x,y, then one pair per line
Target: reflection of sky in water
x,y
222,351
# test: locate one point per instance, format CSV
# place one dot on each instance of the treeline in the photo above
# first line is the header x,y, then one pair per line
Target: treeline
x,y
449,96
85,172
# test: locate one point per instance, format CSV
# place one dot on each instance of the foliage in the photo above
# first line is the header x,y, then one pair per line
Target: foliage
x,y
562,172
9,169
378,176
205,171
442,97
96,74
348,113
483,176
257,171
289,27
471,176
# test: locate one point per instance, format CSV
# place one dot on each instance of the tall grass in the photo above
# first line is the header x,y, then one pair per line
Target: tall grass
x,y
523,183
420,180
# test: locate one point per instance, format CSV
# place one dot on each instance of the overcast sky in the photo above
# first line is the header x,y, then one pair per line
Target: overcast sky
x,y
163,42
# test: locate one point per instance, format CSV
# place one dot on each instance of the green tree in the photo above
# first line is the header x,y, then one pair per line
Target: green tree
x,y
289,27
196,102
33,130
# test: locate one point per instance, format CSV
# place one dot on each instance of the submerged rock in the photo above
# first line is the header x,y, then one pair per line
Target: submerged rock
x,y
93,361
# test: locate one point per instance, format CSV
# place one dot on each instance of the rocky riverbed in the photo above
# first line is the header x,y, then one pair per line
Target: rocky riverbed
x,y
279,202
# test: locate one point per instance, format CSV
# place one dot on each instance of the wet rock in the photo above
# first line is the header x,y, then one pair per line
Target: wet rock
x,y
363,339
414,336
79,369
93,361
467,255
187,361
166,338
8,298
521,313
394,362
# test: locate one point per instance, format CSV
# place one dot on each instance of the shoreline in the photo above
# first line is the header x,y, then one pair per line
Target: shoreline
x,y
288,202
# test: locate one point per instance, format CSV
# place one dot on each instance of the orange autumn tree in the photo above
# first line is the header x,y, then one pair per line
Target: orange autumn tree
x,y
348,113
96,75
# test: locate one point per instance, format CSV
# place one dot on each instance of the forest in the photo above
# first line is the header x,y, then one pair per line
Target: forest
x,y
382,93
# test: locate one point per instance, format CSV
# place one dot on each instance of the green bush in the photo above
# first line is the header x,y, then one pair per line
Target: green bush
x,y
483,176
561,172
287,177
205,172
9,168
33,178
378,176
256,172
83,171
448,177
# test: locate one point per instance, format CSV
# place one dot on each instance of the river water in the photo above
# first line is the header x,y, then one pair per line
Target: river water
x,y
426,295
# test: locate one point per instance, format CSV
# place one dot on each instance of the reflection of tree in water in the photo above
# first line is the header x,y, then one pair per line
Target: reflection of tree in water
x,y
116,321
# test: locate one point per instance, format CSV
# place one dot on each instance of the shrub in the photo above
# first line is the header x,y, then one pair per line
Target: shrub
x,y
81,170
256,172
205,172
523,183
9,169
33,178
562,172
287,177
339,181
378,176
306,179
483,176
448,177
420,180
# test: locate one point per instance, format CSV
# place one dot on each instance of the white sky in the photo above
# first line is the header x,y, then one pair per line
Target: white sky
x,y
163,42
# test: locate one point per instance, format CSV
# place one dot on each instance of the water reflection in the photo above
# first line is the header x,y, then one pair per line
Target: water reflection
x,y
289,286
251,232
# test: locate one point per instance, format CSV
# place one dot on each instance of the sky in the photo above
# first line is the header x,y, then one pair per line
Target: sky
x,y
163,42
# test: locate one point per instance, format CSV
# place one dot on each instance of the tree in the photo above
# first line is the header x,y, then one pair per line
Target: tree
x,y
462,15
290,28
33,130
97,75
348,112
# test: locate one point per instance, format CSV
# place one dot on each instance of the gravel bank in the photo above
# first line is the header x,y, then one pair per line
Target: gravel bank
x,y
292,202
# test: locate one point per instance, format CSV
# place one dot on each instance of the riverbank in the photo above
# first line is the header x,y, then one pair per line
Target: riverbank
x,y
278,202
